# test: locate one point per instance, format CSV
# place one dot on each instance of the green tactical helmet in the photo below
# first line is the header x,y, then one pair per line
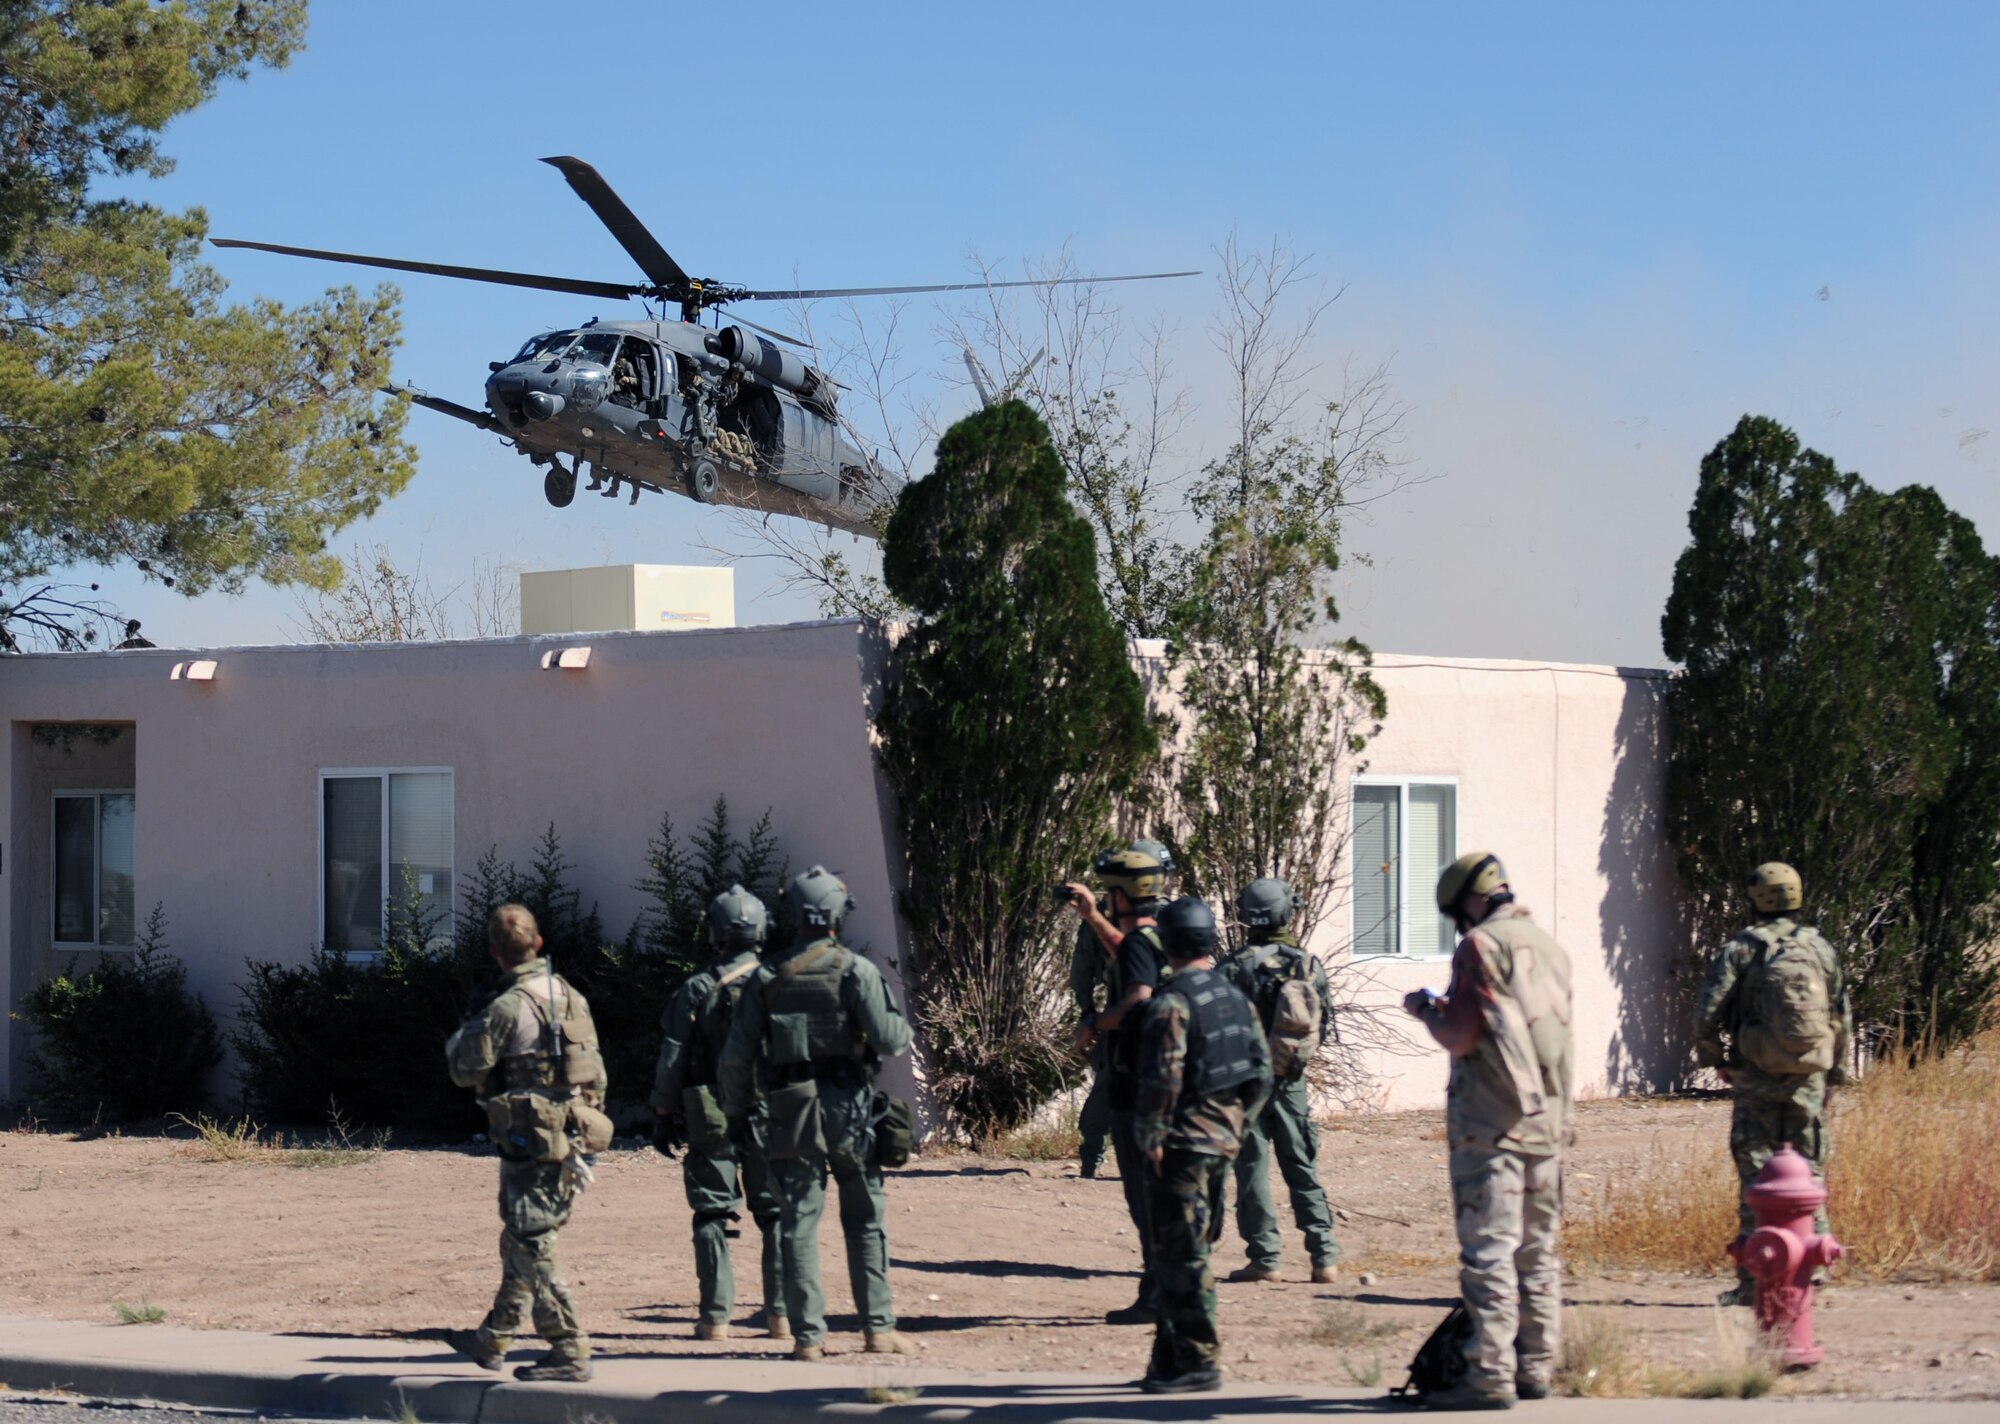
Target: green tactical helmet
x,y
1187,928
1267,904
1775,887
1159,852
1139,874
819,898
1476,872
737,919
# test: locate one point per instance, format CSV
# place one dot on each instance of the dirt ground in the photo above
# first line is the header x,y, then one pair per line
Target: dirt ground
x,y
995,1264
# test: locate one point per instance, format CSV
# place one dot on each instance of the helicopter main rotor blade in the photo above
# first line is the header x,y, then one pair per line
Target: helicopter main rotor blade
x,y
814,292
616,290
645,249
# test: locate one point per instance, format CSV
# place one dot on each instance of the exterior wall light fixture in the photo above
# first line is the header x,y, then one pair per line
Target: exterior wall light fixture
x,y
194,670
573,659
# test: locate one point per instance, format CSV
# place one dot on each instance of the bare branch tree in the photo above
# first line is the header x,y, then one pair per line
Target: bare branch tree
x,y
377,601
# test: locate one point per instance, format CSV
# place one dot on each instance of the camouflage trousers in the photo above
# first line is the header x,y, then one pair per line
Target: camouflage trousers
x,y
1184,1333
534,1204
1093,1124
717,1178
1509,1210
1285,1131
1770,1112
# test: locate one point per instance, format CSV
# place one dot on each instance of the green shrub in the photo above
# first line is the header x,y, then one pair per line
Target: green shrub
x,y
124,1040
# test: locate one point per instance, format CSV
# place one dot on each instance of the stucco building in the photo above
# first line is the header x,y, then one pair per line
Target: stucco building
x,y
265,796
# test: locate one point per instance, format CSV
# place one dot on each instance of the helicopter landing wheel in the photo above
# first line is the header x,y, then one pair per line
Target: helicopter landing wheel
x,y
559,487
704,481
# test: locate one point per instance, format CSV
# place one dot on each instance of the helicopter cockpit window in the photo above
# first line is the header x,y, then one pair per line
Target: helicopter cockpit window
x,y
597,347
544,346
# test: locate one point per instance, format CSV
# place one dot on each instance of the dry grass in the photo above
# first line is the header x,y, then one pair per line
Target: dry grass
x,y
1602,1360
144,1313
1047,1139
244,1141
1343,1327
892,1394
1915,1193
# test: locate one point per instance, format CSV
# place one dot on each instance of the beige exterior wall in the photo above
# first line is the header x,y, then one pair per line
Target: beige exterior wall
x,y
1560,771
227,772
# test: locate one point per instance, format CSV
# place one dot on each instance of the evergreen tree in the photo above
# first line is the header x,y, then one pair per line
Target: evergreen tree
x,y
141,418
1012,720
1837,709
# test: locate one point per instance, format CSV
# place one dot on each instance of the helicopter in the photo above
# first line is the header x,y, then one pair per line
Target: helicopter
x,y
723,414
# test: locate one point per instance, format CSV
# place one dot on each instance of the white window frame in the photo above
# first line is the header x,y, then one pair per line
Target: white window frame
x,y
1425,893
96,794
382,774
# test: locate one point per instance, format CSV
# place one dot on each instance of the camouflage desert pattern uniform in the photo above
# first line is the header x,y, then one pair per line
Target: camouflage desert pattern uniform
x,y
1508,1119
505,1047
1204,1071
1769,1109
1090,971
820,1013
716,1172
1283,1130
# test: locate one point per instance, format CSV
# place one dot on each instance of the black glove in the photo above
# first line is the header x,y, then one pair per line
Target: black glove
x,y
670,1134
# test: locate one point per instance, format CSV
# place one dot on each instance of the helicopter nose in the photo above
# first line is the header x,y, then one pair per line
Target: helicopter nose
x,y
541,405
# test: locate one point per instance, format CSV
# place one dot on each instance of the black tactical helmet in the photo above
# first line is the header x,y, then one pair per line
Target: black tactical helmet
x,y
1267,904
737,919
819,898
1187,928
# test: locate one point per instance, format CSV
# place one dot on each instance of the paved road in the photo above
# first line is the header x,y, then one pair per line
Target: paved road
x,y
82,1409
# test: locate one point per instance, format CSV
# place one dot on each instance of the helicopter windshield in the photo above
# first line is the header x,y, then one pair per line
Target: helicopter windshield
x,y
548,344
598,347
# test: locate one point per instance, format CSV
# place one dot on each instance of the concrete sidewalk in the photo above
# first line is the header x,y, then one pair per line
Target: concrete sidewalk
x,y
346,1377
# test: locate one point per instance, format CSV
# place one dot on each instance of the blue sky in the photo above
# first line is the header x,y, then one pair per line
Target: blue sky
x,y
1587,238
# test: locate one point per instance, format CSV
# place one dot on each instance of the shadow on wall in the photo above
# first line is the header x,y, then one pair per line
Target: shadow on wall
x,y
1645,921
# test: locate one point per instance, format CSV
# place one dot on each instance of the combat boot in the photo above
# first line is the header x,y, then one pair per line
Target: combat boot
x,y
1200,1381
1743,1293
1326,1275
1139,1312
1525,1388
711,1330
482,1349
889,1342
1256,1273
550,1368
1467,1395
777,1327
808,1353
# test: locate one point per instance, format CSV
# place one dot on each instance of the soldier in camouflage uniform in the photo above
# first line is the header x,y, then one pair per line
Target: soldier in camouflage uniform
x,y
1506,1023
1204,1073
1779,1088
1270,955
532,1047
717,1172
809,1031
1135,882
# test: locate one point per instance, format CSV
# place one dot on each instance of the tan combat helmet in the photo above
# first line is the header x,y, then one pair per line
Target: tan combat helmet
x,y
1141,876
1477,872
1775,888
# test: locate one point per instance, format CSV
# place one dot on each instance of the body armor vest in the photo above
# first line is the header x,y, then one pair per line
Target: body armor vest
x,y
529,1061
712,1017
808,1019
1221,1030
1515,1090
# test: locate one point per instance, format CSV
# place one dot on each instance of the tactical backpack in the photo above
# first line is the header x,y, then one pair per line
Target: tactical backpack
x,y
1289,1007
1440,1361
1786,1026
707,1127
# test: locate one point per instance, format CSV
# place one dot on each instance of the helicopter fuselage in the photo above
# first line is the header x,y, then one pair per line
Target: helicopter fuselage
x,y
720,415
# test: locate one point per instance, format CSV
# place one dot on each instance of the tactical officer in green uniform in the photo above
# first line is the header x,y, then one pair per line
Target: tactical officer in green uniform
x,y
1091,986
1134,883
1778,993
1506,1023
1288,989
1203,1076
809,1031
532,1055
716,1171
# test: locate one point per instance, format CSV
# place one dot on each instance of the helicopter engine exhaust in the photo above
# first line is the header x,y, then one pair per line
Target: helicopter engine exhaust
x,y
775,364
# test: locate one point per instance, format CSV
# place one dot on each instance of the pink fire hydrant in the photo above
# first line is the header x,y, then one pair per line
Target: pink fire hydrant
x,y
1783,1252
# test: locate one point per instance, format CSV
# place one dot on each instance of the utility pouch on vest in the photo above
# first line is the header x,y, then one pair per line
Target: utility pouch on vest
x,y
528,1126
895,1130
582,1064
593,1130
706,1126
791,1038
795,1122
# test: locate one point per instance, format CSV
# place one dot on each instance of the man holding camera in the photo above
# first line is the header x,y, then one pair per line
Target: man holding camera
x,y
1135,884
